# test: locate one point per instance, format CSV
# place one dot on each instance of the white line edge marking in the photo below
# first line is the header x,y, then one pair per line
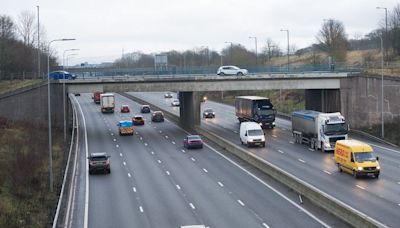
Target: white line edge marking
x,y
192,206
86,216
272,188
359,186
240,202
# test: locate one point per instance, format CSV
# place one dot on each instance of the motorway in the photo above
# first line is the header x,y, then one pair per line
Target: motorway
x,y
378,198
155,182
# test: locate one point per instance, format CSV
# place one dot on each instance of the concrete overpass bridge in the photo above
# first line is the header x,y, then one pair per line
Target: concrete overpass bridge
x,y
322,89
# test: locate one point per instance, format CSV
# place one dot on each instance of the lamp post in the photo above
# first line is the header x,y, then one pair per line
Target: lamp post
x,y
38,40
382,100
386,32
49,113
255,41
227,42
287,32
65,121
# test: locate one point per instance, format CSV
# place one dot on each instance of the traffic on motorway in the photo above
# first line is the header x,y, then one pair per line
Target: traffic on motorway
x,y
162,175
372,188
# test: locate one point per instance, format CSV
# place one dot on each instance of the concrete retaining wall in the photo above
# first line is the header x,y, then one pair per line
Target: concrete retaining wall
x,y
30,104
361,100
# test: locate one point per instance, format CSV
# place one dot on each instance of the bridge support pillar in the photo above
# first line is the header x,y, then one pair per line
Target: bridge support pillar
x,y
189,109
323,100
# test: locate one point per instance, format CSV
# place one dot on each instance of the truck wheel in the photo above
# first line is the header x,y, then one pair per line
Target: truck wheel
x,y
322,148
241,141
339,167
355,175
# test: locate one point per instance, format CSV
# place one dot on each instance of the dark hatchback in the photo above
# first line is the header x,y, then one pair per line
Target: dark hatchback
x,y
193,141
157,116
145,109
99,162
138,120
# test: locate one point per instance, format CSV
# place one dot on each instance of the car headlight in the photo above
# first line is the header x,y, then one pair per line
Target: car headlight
x,y
250,140
213,113
360,168
378,167
206,113
327,144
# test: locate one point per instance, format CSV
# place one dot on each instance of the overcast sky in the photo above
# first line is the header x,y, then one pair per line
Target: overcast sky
x,y
105,28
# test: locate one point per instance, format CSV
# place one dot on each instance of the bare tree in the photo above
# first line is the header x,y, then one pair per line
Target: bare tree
x,y
333,40
394,23
27,27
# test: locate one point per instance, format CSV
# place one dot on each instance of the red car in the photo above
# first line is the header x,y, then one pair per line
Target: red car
x,y
193,141
138,120
125,109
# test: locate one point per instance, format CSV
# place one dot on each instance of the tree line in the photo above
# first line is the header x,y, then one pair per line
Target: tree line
x,y
19,47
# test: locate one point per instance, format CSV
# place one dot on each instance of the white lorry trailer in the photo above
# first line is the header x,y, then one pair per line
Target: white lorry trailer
x,y
319,130
107,102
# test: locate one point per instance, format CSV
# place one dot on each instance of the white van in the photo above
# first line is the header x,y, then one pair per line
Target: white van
x,y
252,134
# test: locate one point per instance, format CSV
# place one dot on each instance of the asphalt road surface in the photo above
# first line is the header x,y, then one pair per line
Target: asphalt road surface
x,y
156,182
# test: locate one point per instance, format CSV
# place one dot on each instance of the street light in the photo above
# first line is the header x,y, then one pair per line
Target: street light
x,y
287,32
382,119
49,112
227,42
386,32
65,121
255,41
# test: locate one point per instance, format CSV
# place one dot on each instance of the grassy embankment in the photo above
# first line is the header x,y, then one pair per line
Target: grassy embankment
x,y
25,199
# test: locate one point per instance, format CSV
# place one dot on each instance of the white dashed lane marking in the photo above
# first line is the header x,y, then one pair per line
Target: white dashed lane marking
x,y
265,225
280,151
240,202
114,140
129,175
178,187
183,151
117,145
325,171
193,159
134,189
192,206
167,173
166,136
145,144
120,154
301,160
112,134
173,142
206,171
220,184
159,161
359,186
291,142
141,209
311,149
124,163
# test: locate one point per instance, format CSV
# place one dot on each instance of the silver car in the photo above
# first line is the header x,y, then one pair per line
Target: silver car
x,y
231,70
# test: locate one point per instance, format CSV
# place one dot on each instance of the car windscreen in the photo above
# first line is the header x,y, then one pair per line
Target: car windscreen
x,y
364,156
255,132
99,158
194,137
138,118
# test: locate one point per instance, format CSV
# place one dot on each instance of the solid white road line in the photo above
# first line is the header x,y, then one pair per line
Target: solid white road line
x,y
86,216
241,203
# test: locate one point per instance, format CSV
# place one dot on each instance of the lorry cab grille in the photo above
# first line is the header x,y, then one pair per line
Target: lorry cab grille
x,y
334,139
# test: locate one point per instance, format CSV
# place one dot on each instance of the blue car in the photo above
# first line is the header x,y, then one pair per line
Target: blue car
x,y
62,75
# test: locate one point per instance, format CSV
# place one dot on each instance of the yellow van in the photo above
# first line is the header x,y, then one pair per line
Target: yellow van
x,y
356,158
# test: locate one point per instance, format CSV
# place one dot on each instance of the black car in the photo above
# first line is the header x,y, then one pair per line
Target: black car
x,y
208,113
157,116
193,141
99,162
145,109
